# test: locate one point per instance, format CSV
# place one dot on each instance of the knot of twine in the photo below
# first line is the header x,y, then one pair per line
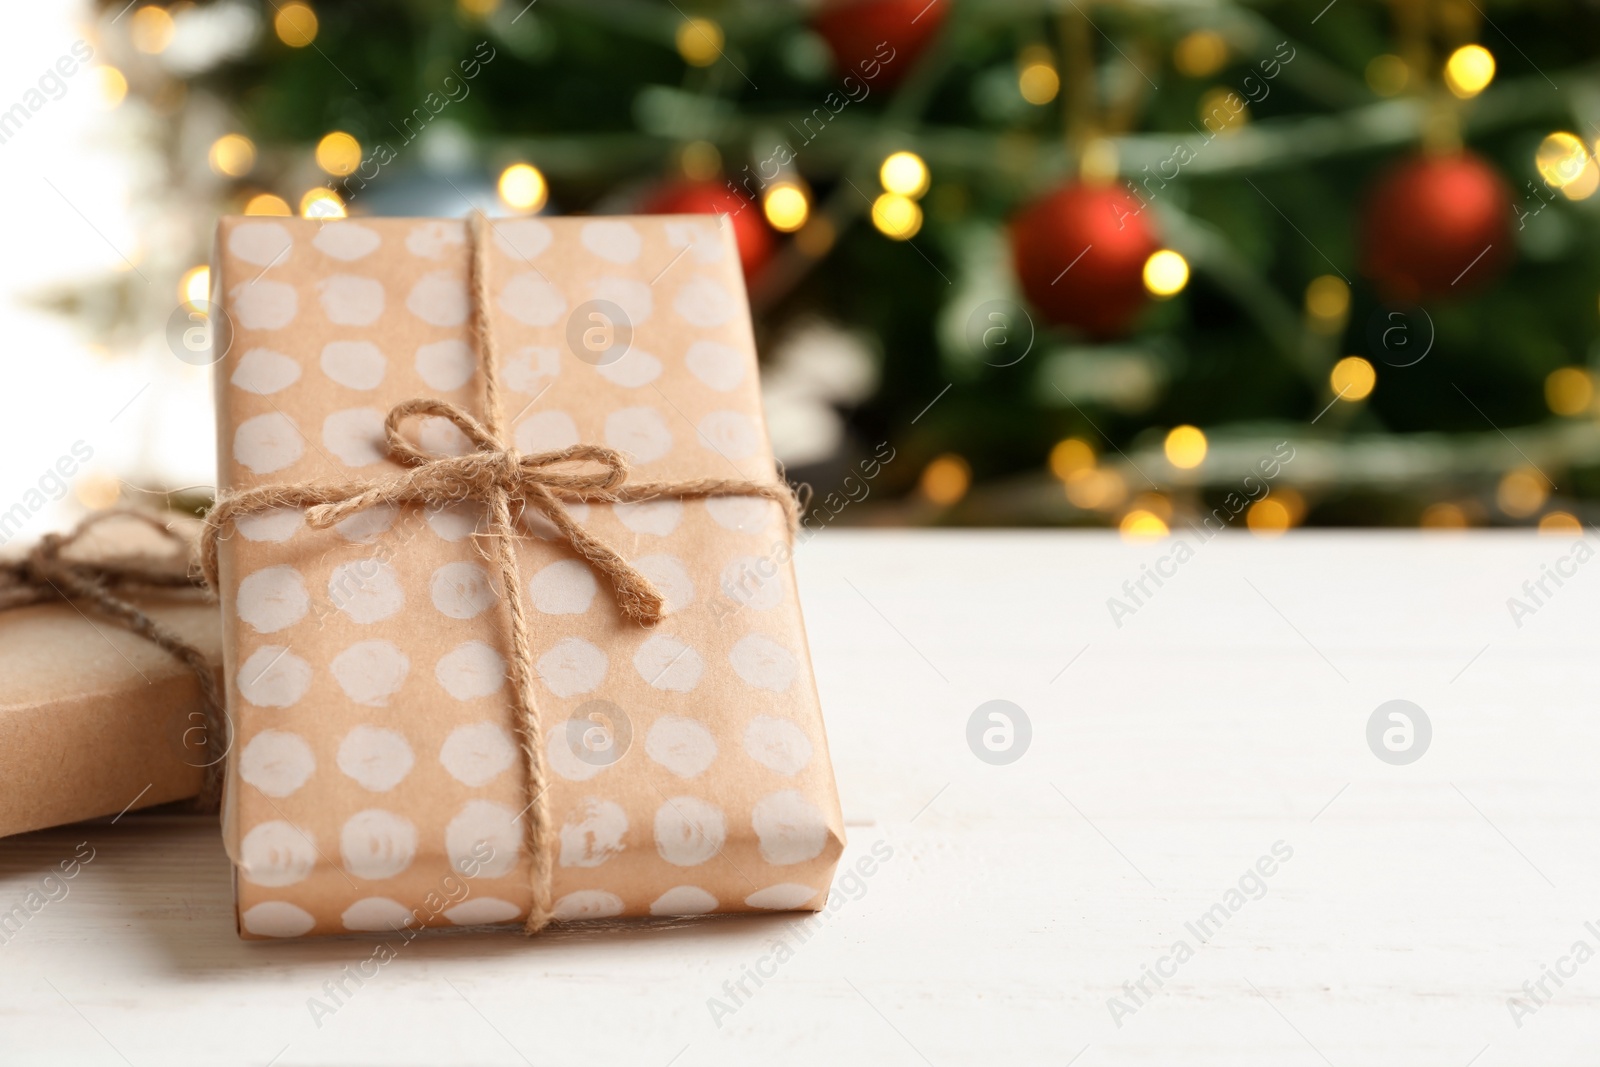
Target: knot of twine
x,y
506,482
47,574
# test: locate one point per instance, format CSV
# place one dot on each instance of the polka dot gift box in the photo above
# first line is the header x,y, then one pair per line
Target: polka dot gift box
x,y
377,776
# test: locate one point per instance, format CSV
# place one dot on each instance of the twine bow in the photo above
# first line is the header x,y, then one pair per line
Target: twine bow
x,y
47,574
505,481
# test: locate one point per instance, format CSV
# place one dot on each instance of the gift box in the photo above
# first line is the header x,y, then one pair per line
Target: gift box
x,y
95,719
377,780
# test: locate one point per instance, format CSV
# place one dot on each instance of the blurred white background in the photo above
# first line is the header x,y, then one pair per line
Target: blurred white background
x,y
76,177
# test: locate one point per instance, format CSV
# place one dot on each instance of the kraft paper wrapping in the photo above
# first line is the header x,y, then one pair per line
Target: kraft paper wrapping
x,y
374,782
93,718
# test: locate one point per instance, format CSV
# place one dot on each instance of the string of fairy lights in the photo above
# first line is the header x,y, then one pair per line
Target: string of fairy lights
x,y
1094,485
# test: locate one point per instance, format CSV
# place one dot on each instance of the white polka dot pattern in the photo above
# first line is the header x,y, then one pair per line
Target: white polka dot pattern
x,y
261,244
532,300
376,753
478,753
439,300
470,671
636,368
276,854
267,443
355,436
753,582
351,301
777,744
277,762
376,915
277,918
658,518
346,241
462,590
439,436
792,829
565,587
273,677
484,837
586,904
446,365
785,896
354,364
764,663
633,297
455,522
546,431
560,758
272,598
681,745
704,302
276,525
667,663
640,432
377,758
264,305
529,370
689,831
366,590
717,365
522,239
730,434
671,579
264,372
593,833
701,240
741,514
370,672
434,240
684,900
377,844
611,240
480,911
366,526
572,667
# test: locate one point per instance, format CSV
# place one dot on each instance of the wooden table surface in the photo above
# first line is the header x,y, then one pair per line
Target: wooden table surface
x,y
1198,859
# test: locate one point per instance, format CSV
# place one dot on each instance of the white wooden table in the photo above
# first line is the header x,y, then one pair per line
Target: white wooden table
x,y
1227,715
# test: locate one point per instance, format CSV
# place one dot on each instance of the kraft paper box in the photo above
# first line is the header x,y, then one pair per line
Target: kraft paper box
x,y
94,719
374,782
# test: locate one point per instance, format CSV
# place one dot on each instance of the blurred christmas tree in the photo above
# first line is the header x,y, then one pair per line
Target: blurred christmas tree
x,y
1077,263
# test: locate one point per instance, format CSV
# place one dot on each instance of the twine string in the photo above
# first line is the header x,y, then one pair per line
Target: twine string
x,y
48,574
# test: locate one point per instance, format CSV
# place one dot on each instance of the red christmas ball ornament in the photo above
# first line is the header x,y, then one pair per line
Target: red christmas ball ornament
x,y
1436,226
879,40
755,238
1080,253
